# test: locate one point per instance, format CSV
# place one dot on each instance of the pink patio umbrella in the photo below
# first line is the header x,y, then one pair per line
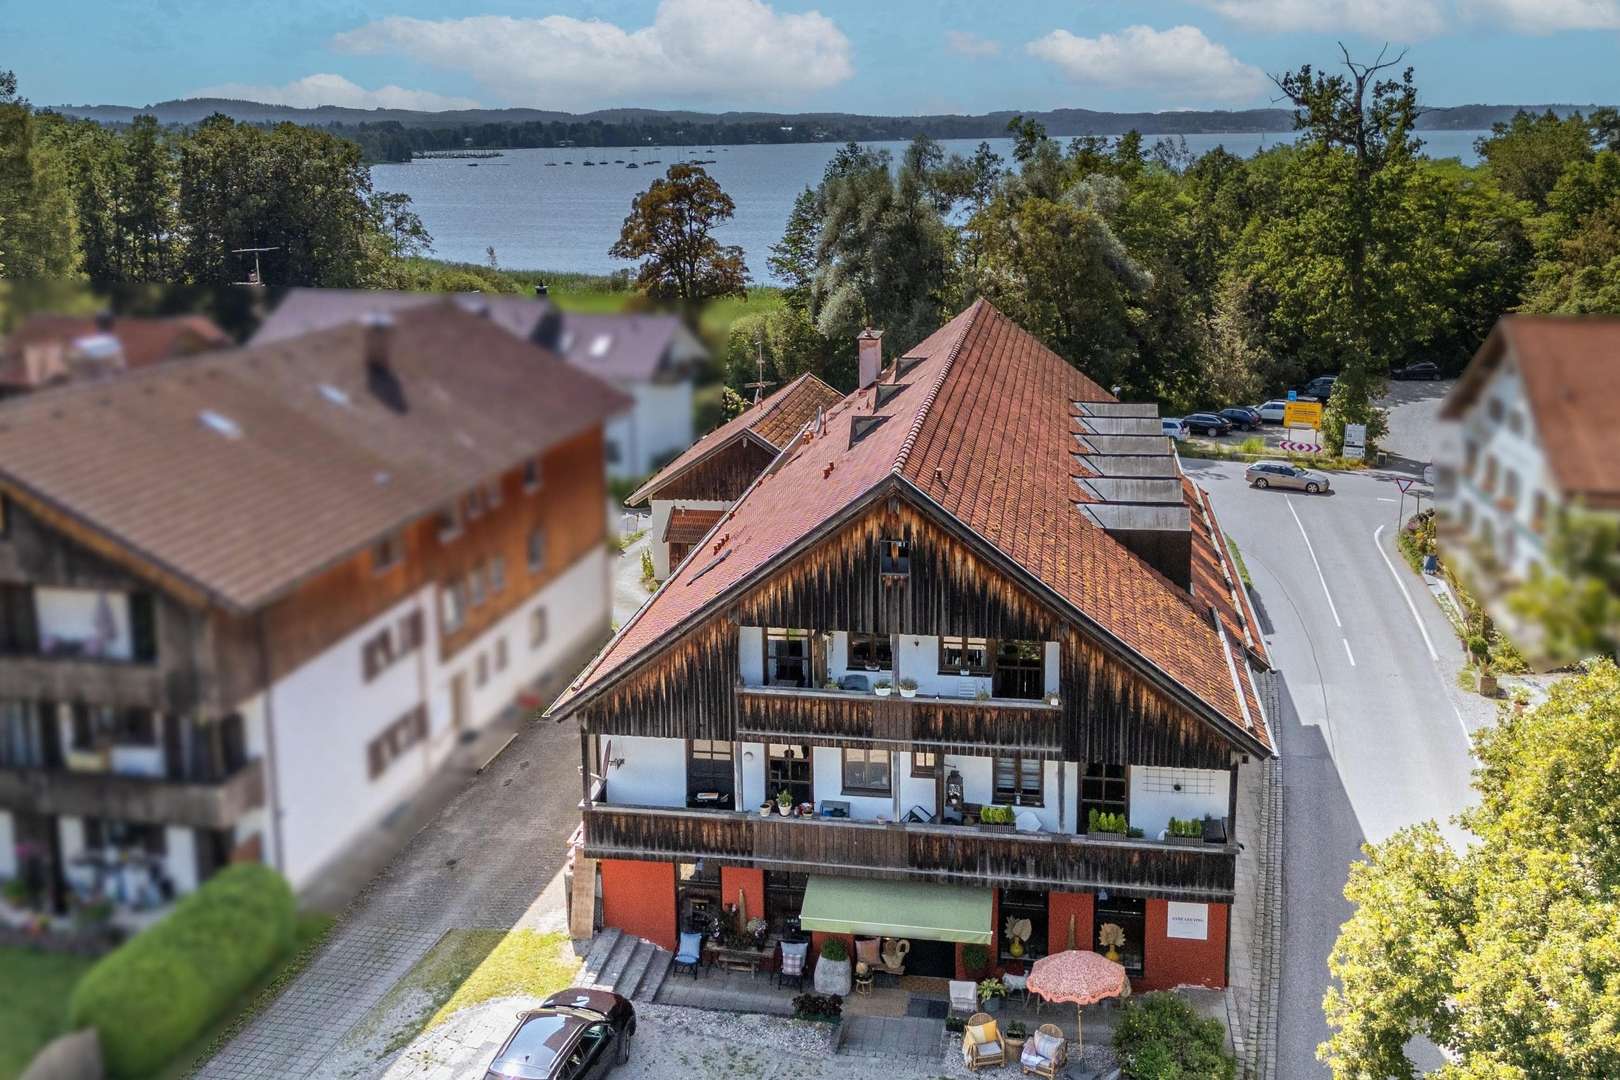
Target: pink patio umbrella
x,y
1079,976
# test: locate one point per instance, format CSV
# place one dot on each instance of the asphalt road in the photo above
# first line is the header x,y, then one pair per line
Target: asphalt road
x,y
1372,731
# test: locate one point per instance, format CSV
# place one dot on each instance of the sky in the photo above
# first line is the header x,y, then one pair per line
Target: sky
x,y
873,56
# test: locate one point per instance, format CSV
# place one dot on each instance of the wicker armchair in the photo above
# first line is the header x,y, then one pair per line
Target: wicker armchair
x,y
1046,1053
982,1044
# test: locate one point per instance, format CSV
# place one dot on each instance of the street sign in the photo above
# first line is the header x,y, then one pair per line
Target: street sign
x,y
1306,414
1293,395
1302,440
1404,483
1355,441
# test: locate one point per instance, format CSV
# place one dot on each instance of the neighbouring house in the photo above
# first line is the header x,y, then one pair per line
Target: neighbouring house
x,y
689,495
47,350
1535,428
250,600
652,358
1018,554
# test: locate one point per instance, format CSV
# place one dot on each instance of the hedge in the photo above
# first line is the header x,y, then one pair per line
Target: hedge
x,y
163,988
1162,1037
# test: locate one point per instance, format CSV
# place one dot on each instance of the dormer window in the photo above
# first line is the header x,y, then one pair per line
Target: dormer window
x,y
887,392
896,556
862,426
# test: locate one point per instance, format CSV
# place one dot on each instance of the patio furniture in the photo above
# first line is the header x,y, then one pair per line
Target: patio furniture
x,y
794,954
964,997
742,957
893,957
868,952
1045,1053
863,979
690,954
981,1043
1017,984
1079,976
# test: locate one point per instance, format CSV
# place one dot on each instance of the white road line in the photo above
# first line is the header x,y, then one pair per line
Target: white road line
x,y
1331,606
1385,498
1347,651
1401,585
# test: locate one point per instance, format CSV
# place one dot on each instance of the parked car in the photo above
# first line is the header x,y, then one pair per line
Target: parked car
x,y
1242,417
1207,422
575,1034
1173,427
1272,412
1423,369
1280,474
1319,388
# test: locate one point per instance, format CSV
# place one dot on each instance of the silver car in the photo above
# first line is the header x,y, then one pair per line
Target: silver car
x,y
1280,474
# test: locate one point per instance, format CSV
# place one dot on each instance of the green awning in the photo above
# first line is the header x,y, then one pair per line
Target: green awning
x,y
905,909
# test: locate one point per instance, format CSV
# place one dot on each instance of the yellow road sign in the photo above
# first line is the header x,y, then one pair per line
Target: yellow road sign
x,y
1302,414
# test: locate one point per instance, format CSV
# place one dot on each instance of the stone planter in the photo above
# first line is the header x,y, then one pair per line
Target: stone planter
x,y
1487,685
832,976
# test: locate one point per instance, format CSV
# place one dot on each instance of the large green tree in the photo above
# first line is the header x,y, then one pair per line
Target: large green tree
x,y
38,227
670,228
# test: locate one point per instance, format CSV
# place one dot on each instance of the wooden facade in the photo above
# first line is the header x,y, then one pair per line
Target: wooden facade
x,y
948,854
719,476
839,718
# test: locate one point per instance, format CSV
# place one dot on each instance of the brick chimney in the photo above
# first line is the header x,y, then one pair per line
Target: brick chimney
x,y
379,339
870,343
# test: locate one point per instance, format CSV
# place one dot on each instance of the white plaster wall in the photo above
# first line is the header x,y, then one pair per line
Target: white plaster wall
x,y
71,614
653,773
751,655
1151,811
753,775
180,857
662,418
620,431
8,847
979,786
70,835
914,790
828,767
661,510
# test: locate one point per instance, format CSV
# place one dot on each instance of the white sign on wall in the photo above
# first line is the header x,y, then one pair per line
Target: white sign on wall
x,y
1187,921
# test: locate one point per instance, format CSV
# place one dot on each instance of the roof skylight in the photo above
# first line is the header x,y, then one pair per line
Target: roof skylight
x,y
220,423
600,345
333,394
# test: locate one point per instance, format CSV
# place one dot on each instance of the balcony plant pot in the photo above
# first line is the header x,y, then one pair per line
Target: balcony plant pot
x,y
907,693
882,691
987,827
765,809
1487,685
832,976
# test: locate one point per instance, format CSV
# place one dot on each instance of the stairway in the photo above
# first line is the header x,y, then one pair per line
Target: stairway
x,y
627,965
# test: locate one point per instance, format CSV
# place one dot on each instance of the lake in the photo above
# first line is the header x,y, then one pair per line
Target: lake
x,y
539,213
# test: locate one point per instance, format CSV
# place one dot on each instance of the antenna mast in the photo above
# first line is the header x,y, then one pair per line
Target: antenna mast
x,y
254,278
759,384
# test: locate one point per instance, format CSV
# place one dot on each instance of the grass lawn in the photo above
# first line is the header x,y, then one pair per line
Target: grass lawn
x,y
34,989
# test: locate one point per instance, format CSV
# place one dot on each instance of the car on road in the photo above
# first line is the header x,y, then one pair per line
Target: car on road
x,y
1242,417
1174,427
1207,422
1272,412
575,1034
1319,388
1423,369
1280,474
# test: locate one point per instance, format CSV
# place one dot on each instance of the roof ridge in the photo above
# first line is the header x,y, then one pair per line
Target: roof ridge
x,y
928,399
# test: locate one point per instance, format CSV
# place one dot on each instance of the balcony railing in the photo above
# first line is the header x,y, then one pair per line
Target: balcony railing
x,y
135,798
961,855
839,717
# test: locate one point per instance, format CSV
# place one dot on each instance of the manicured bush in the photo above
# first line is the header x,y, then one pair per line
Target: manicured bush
x,y
1161,1037
164,987
834,949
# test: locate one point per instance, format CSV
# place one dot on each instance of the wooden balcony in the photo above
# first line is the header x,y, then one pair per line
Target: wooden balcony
x,y
959,855
840,718
135,798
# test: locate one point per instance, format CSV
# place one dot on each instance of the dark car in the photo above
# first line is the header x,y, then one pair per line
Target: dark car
x,y
1320,388
1206,423
1423,369
575,1034
1242,417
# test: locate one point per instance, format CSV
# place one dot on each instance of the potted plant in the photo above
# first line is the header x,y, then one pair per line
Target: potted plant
x,y
757,930
975,959
1016,1035
1479,647
1017,932
955,1024
982,694
999,818
1183,832
784,801
882,687
1112,937
1052,700
1099,821
766,807
908,687
991,991
832,968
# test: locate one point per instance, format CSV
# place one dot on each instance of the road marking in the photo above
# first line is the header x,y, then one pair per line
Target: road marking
x,y
1331,606
1385,498
1401,585
1347,651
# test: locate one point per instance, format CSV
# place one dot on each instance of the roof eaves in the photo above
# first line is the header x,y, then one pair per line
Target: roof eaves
x,y
658,480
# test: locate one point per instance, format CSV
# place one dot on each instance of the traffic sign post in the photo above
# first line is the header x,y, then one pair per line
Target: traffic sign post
x,y
1302,440
1302,414
1355,441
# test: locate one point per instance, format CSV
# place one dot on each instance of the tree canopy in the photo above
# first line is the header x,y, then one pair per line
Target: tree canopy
x,y
670,228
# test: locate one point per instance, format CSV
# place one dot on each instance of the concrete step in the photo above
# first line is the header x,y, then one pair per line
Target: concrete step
x,y
596,959
653,979
635,969
618,961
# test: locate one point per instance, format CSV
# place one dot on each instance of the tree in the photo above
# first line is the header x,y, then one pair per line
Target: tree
x,y
671,229
1575,599
1578,240
1529,153
37,224
1505,955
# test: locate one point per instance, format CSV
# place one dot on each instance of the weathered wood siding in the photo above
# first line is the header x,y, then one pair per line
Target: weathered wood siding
x,y
724,475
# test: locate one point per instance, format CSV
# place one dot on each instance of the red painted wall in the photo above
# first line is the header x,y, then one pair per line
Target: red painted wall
x,y
1059,906
752,884
639,898
1173,962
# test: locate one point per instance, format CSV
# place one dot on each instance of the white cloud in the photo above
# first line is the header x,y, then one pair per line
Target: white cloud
x,y
1178,63
1545,16
694,51
1396,20
313,90
972,45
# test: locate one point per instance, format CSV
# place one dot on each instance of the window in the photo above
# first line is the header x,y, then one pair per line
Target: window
x,y
483,668
871,652
1103,788
475,584
497,574
492,493
789,768
410,632
1495,409
387,553
866,772
1516,422
611,452
710,781
1019,670
1538,512
787,657
475,503
969,655
1018,780
924,763
397,738
1470,458
537,627
711,750
377,654
531,477
449,523
537,550
1489,482
1131,917
452,605
500,654
1510,488
896,555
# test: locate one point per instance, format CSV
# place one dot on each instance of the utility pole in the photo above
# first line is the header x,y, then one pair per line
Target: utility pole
x,y
759,384
254,278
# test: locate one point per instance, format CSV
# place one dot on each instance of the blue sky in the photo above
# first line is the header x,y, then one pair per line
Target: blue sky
x,y
875,56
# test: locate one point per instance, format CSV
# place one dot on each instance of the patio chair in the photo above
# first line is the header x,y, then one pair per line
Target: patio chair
x,y
1046,1053
690,954
794,954
982,1046
964,997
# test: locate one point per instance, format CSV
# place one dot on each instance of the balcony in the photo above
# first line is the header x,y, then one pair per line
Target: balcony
x,y
947,724
135,798
81,678
960,855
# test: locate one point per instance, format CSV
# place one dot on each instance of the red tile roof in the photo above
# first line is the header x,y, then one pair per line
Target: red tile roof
x,y
982,428
143,341
1569,365
689,526
772,421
